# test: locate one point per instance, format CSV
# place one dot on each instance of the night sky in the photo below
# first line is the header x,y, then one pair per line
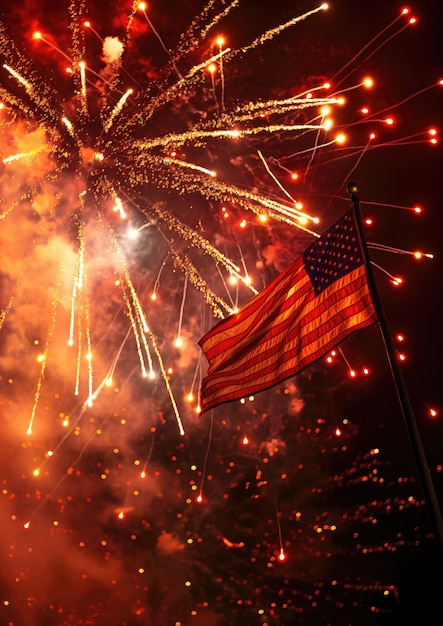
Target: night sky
x,y
131,222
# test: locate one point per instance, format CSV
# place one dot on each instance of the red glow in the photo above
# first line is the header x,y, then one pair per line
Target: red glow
x,y
282,555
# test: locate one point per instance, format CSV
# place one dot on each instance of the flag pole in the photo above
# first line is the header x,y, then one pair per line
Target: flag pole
x,y
402,393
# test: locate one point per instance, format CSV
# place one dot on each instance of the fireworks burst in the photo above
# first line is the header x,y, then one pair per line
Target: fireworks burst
x,y
111,175
147,191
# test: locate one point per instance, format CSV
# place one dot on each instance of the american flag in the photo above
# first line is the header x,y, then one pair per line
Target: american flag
x,y
305,312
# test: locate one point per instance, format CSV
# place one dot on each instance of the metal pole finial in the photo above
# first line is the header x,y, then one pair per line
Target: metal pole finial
x,y
352,188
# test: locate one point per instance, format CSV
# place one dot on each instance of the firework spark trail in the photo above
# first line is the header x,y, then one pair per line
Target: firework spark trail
x,y
270,34
199,29
178,342
116,110
43,360
277,182
24,155
218,305
367,147
372,41
26,84
138,334
148,458
196,136
195,239
142,8
39,93
5,311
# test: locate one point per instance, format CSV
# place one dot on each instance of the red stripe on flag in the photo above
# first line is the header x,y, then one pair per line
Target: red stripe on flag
x,y
250,319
